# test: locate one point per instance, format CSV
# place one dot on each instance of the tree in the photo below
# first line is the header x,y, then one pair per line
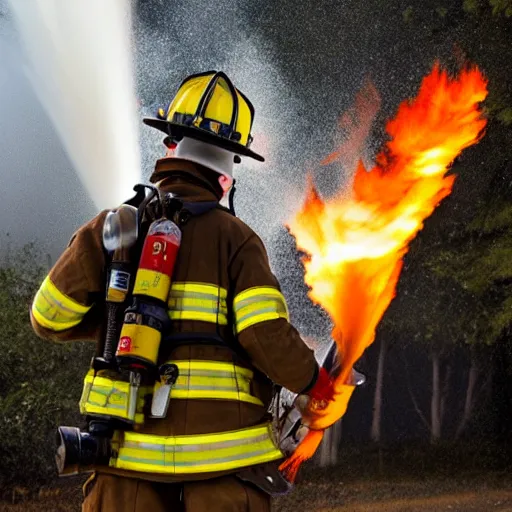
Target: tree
x,y
329,449
481,265
375,434
427,315
40,382
430,326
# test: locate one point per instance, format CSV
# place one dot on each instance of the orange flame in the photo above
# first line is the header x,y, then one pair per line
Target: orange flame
x,y
356,245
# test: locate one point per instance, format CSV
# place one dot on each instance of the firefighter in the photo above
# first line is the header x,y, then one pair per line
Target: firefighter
x,y
229,324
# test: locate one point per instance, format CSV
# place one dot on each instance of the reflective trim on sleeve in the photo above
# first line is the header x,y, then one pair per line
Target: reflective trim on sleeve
x,y
56,311
259,304
198,301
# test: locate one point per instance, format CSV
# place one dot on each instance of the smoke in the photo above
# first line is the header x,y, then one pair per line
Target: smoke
x,y
79,63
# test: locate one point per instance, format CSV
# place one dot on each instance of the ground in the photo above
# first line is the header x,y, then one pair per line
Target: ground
x,y
322,491
461,493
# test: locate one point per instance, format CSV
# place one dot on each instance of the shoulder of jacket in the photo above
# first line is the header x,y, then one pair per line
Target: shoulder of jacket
x,y
96,223
94,226
236,225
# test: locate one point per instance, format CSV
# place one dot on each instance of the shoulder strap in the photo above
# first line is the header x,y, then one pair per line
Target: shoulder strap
x,y
174,206
196,209
200,208
205,338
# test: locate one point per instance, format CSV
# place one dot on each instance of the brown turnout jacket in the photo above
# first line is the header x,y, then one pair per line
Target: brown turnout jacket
x,y
216,248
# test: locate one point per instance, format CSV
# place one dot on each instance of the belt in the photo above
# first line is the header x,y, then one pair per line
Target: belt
x,y
191,454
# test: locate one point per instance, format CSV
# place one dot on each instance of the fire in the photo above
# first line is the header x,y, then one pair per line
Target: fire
x,y
355,246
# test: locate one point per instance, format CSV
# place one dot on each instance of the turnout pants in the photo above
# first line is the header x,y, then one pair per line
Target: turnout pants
x,y
109,493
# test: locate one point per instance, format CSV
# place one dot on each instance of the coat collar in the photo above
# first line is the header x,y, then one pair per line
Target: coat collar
x,y
172,172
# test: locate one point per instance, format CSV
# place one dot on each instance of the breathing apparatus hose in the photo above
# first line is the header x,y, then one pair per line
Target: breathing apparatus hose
x,y
111,331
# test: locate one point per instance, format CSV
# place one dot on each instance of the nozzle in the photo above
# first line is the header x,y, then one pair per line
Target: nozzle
x,y
68,450
78,451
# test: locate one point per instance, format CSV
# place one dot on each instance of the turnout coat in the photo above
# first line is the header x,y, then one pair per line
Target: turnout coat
x,y
217,421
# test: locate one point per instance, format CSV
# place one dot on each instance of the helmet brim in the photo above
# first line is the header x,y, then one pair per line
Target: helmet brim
x,y
180,130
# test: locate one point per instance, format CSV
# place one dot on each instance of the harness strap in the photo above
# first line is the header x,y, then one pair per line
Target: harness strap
x,y
187,338
199,338
199,208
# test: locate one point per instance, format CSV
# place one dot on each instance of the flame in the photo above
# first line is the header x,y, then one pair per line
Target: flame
x,y
355,246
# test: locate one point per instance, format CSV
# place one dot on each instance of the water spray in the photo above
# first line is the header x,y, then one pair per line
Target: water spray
x,y
79,62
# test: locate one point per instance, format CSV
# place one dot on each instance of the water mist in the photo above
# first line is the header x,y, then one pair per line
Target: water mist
x,y
79,61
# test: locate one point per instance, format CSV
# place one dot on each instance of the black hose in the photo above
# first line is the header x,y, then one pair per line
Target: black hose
x,y
113,311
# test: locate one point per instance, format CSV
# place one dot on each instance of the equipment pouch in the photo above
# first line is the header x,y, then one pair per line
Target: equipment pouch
x,y
106,395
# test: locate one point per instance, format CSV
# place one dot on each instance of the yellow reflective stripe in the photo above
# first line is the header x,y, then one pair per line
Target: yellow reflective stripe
x,y
212,380
198,301
215,394
199,439
86,390
103,396
196,453
207,289
213,366
259,304
213,318
54,310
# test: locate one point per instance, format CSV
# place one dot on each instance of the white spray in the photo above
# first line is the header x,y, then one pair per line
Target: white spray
x,y
80,65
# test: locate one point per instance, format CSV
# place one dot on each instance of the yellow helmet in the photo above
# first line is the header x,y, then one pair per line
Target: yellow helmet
x,y
208,107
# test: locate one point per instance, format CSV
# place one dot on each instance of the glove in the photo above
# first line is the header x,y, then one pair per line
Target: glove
x,y
323,390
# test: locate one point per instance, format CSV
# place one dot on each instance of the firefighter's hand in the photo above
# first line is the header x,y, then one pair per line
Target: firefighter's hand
x,y
323,390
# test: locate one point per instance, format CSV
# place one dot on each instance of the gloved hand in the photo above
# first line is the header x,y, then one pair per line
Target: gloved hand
x,y
323,390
